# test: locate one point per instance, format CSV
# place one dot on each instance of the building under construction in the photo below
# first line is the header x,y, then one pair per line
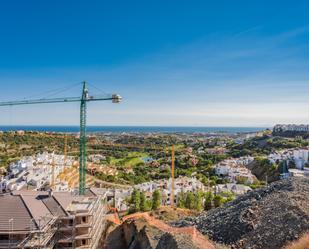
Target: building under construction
x,y
34,219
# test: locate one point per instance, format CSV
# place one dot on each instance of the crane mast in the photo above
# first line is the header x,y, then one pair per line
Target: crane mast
x,y
115,98
83,141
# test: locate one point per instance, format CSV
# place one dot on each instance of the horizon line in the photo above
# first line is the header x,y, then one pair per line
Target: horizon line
x,y
180,126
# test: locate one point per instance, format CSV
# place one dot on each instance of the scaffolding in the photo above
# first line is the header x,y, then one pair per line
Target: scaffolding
x,y
80,228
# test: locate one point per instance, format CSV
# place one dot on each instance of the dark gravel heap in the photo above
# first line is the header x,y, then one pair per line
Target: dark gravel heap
x,y
267,218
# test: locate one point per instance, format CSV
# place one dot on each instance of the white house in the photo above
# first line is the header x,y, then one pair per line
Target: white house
x,y
237,189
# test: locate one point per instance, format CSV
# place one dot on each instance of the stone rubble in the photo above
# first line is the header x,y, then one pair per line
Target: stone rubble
x,y
267,218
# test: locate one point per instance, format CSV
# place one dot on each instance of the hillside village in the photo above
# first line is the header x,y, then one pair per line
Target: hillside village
x,y
230,174
131,173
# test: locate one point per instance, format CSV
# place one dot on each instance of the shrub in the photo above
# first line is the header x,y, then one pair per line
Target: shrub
x,y
218,201
208,201
181,200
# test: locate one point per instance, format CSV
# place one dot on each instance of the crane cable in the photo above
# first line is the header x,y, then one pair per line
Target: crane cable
x,y
49,93
98,89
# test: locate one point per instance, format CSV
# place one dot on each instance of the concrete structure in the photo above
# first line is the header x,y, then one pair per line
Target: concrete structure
x,y
34,219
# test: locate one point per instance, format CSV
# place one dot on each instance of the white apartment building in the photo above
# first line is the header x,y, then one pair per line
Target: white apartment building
x,y
35,172
299,156
234,168
237,189
291,127
182,184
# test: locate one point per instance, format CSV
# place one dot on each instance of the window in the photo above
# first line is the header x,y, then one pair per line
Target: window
x,y
4,237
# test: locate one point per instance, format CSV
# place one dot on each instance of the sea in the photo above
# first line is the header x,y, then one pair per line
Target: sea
x,y
135,129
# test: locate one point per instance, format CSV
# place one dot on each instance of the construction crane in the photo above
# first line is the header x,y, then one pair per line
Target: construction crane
x,y
173,177
83,100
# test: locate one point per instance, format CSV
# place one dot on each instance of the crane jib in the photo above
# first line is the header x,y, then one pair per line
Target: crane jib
x,y
50,101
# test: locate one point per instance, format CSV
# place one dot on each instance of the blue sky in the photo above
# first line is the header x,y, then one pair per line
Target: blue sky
x,y
196,63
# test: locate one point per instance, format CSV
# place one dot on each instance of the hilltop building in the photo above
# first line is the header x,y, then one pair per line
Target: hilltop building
x,y
291,127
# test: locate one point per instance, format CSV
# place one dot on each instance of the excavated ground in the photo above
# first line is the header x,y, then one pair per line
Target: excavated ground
x,y
140,231
267,218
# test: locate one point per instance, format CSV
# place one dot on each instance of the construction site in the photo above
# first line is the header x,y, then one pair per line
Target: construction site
x,y
68,214
35,219
50,200
56,198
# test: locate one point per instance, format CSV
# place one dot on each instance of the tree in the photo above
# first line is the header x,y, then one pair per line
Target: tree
x,y
189,200
181,202
218,200
208,200
198,201
144,205
156,199
135,201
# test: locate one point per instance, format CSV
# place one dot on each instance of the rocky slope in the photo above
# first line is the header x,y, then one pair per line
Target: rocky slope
x,y
267,218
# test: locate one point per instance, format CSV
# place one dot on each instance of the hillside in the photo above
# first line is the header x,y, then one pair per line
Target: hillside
x,y
263,170
13,146
267,218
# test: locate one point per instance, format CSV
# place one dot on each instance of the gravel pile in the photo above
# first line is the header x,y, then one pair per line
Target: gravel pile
x,y
267,218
